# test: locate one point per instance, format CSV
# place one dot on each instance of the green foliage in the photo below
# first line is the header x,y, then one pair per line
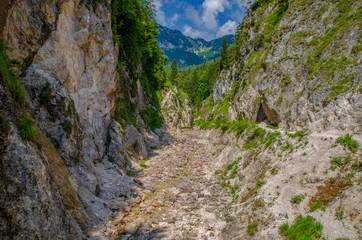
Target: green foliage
x,y
251,144
12,83
198,82
224,61
274,171
272,126
174,72
297,199
303,229
125,110
339,213
135,33
152,118
259,183
111,159
143,165
270,139
299,134
317,205
238,126
348,142
288,146
252,228
258,133
26,128
279,101
340,162
222,107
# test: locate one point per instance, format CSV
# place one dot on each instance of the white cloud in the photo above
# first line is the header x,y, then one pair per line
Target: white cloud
x,y
160,15
191,32
211,10
192,14
174,19
228,28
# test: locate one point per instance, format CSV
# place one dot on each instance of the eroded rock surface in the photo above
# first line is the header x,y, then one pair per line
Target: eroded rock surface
x,y
203,185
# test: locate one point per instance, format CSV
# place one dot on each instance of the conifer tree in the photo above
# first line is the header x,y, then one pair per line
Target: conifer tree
x,y
223,55
174,72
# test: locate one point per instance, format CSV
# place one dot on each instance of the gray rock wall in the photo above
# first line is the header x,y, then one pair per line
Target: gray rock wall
x,y
307,75
74,177
176,113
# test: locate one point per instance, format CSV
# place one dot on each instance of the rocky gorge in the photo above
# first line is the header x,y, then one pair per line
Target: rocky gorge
x,y
275,145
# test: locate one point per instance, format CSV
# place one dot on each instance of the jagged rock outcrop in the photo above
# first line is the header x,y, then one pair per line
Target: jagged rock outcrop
x,y
74,176
300,64
224,83
176,113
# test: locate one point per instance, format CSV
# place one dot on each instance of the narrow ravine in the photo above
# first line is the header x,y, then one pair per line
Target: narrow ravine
x,y
181,199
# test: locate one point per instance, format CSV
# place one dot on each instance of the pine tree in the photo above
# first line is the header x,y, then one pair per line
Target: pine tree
x,y
174,72
223,55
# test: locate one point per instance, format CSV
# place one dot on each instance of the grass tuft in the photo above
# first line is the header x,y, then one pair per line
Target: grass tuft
x,y
26,128
12,83
252,228
297,199
318,205
348,142
304,228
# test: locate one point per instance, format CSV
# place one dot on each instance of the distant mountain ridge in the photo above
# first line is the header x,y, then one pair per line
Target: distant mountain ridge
x,y
189,51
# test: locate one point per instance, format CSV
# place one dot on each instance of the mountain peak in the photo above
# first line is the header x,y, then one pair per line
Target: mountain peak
x,y
187,50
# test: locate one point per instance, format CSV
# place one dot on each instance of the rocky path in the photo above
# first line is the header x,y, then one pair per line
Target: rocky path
x,y
182,197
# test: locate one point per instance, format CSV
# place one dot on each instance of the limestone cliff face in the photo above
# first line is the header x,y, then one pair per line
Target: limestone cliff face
x,y
298,66
177,113
74,176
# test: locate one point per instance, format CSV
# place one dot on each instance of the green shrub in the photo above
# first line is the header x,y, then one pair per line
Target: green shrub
x,y
152,118
348,142
252,228
12,83
143,165
240,126
316,205
26,128
125,110
258,133
297,199
303,229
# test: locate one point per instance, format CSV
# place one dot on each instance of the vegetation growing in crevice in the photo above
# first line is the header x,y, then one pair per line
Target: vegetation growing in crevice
x,y
303,228
125,110
11,82
26,128
348,142
152,118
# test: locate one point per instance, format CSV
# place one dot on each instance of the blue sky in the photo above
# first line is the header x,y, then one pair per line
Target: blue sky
x,y
207,19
